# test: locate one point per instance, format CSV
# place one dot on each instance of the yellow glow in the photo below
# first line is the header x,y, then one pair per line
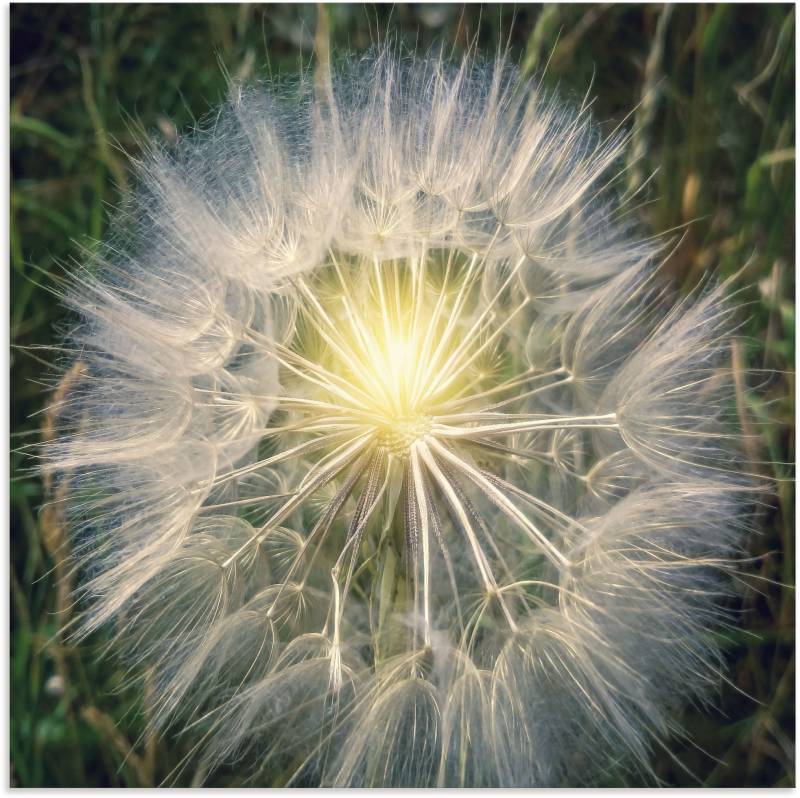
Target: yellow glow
x,y
392,347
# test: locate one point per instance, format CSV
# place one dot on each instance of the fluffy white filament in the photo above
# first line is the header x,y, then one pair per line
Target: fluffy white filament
x,y
388,453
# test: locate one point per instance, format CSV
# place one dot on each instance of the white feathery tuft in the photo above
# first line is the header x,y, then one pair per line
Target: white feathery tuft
x,y
388,452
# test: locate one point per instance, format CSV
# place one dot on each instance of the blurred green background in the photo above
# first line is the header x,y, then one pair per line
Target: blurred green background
x,y
713,88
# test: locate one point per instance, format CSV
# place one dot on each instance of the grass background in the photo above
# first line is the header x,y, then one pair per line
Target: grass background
x,y
713,89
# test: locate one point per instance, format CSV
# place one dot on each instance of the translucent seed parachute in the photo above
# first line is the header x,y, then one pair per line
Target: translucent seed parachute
x,y
389,453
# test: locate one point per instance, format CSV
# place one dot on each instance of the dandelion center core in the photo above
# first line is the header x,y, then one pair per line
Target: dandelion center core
x,y
399,434
389,346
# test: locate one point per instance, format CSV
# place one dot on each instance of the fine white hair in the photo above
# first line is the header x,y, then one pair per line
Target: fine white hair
x,y
388,450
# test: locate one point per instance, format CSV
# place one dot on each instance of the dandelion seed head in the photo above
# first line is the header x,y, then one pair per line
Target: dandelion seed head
x,y
390,453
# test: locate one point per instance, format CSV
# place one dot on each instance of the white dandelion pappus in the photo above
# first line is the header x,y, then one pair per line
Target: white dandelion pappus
x,y
388,454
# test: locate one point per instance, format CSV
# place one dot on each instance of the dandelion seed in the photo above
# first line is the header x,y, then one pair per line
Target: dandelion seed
x,y
388,452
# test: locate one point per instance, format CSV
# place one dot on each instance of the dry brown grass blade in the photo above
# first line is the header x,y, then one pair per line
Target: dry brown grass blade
x,y
105,725
53,530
